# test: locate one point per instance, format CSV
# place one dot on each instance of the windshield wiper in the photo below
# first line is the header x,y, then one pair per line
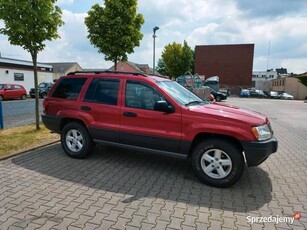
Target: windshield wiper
x,y
193,103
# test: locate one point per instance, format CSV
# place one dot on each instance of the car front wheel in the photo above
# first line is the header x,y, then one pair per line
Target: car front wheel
x,y
76,140
218,98
23,97
217,163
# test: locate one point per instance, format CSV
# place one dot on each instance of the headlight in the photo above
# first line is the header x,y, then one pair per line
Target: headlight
x,y
262,132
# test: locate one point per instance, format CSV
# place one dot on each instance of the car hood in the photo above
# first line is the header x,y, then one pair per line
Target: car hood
x,y
222,111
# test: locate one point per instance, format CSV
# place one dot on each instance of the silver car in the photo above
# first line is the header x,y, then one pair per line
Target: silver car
x,y
286,96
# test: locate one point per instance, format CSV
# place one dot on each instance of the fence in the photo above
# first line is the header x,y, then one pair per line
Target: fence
x,y
18,113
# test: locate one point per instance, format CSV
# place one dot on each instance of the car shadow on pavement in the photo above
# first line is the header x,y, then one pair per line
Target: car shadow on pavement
x,y
140,175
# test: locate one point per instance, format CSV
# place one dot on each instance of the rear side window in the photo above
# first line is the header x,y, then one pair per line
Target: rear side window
x,y
69,88
104,91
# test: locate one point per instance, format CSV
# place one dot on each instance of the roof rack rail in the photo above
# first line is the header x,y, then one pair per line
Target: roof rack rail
x,y
106,71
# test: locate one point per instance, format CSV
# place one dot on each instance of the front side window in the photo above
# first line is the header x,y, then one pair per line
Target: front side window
x,y
69,88
142,96
104,91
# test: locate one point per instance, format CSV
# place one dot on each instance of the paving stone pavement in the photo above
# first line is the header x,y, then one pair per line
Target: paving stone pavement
x,y
123,189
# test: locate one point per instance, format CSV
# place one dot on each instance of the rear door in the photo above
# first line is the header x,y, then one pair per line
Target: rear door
x,y
18,91
142,126
101,102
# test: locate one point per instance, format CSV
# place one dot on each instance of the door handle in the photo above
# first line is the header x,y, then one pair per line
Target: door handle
x,y
130,114
86,108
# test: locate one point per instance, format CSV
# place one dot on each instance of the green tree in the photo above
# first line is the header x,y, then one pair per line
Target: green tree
x,y
302,78
178,59
115,28
187,57
161,68
29,23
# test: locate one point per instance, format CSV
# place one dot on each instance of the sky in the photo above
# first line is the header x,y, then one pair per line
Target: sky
x,y
278,28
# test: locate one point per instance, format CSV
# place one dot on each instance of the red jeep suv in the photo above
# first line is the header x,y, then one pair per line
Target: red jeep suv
x,y
156,114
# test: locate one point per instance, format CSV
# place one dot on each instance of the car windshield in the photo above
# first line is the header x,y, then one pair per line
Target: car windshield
x,y
180,94
42,85
1,86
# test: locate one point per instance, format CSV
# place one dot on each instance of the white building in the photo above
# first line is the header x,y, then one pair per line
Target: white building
x,y
270,74
21,72
263,79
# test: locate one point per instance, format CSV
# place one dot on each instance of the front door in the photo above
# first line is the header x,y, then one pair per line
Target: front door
x,y
142,126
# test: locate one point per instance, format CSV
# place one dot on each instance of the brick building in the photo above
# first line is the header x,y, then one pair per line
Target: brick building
x,y
232,63
127,66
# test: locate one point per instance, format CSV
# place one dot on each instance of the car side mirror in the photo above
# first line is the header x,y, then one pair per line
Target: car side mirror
x,y
163,106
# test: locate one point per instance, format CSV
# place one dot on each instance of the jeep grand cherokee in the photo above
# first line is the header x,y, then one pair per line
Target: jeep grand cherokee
x,y
150,113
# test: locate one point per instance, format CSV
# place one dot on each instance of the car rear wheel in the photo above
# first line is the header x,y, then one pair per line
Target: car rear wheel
x,y
218,98
76,140
23,97
217,163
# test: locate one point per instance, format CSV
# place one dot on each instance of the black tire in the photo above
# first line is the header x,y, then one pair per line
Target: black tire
x,y
218,98
76,140
1,98
23,97
32,96
230,156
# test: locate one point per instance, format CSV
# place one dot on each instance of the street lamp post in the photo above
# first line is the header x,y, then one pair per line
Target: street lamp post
x,y
154,47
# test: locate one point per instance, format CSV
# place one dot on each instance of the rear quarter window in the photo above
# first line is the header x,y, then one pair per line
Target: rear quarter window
x,y
69,88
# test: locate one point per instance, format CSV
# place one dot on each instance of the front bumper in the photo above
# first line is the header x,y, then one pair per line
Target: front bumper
x,y
258,151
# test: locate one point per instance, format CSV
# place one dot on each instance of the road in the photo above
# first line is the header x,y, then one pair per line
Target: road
x,y
19,112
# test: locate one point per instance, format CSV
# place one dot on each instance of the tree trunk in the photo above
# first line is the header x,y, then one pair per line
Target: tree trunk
x,y
115,63
34,59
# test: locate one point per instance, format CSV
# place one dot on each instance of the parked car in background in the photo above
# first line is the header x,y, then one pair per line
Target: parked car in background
x,y
244,93
274,94
286,96
43,89
12,91
257,93
218,96
266,93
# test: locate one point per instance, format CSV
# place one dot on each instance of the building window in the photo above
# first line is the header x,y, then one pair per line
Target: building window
x,y
271,76
263,76
18,76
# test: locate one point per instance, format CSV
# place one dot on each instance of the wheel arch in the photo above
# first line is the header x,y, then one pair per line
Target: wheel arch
x,y
65,121
205,136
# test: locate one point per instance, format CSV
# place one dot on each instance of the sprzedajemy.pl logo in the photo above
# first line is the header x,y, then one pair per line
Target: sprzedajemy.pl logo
x,y
273,219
